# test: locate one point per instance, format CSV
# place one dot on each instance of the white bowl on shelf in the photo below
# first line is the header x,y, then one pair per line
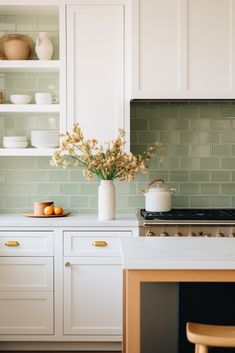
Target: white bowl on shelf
x,y
45,138
15,144
15,138
20,98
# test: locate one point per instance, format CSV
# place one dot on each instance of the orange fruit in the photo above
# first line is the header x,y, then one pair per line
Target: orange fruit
x,y
58,210
49,210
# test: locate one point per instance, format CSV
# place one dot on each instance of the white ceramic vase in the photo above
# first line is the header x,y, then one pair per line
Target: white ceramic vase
x,y
44,46
106,200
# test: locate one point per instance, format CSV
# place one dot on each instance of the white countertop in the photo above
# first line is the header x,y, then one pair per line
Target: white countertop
x,y
73,220
178,253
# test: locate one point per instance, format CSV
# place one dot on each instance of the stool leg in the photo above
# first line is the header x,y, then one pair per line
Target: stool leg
x,y
196,348
201,348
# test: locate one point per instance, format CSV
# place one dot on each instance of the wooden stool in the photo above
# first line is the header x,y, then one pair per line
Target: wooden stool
x,y
205,336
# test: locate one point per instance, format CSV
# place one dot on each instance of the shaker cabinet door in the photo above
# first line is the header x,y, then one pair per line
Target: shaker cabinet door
x,y
183,49
92,297
96,69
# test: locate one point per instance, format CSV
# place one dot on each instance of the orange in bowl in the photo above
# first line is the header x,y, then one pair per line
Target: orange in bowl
x,y
58,210
49,210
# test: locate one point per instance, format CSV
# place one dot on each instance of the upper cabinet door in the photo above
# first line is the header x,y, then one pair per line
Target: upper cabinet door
x,y
183,49
96,78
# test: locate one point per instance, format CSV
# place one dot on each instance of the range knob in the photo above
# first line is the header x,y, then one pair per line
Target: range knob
x,y
178,234
232,234
219,234
150,233
164,234
191,234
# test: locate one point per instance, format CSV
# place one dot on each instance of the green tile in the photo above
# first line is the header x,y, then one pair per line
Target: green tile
x,y
179,150
209,110
28,189
136,201
48,123
79,201
228,188
200,175
221,150
189,137
209,137
15,176
180,201
158,124
127,188
26,23
37,175
26,83
8,189
59,175
228,112
48,189
189,188
134,137
44,163
220,175
220,124
209,188
228,137
76,175
170,137
121,202
153,174
178,124
89,188
48,23
71,189
221,201
200,124
147,111
200,150
190,163
200,201
8,23
148,137
228,163
188,110
209,163
138,124
13,202
168,110
180,176
48,84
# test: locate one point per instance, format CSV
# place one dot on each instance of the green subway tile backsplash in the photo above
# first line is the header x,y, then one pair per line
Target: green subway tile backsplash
x,y
199,160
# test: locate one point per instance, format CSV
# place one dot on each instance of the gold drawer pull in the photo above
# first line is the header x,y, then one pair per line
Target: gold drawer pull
x,y
12,243
99,243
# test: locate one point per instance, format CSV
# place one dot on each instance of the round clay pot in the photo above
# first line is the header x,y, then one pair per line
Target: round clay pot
x,y
16,46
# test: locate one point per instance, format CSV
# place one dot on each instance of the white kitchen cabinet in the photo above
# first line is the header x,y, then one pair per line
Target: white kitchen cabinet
x,y
93,283
183,49
97,68
26,282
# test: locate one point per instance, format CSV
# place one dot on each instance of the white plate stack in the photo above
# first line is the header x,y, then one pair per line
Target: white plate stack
x,y
15,141
45,138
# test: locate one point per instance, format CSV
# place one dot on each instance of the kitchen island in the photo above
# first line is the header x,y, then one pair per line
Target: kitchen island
x,y
168,260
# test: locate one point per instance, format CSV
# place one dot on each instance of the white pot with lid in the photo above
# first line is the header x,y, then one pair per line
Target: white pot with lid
x,y
158,198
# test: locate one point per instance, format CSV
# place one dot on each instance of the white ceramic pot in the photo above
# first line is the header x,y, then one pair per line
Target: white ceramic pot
x,y
158,199
106,200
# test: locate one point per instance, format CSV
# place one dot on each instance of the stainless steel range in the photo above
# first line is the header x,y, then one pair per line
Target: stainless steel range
x,y
188,223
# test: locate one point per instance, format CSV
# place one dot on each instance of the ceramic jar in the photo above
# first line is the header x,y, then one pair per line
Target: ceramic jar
x,y
44,46
17,47
106,200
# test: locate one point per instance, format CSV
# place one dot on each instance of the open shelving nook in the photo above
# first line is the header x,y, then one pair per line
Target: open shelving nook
x,y
34,75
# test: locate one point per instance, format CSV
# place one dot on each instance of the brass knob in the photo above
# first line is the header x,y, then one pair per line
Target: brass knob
x,y
219,235
99,243
178,234
191,234
164,234
12,243
150,233
67,264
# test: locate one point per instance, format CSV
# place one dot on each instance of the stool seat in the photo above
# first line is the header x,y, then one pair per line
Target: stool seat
x,y
211,335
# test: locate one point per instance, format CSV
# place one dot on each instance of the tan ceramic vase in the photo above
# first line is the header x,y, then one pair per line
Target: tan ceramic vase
x,y
16,48
44,46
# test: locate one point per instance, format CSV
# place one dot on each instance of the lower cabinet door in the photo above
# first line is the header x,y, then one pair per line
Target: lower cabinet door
x,y
25,313
92,296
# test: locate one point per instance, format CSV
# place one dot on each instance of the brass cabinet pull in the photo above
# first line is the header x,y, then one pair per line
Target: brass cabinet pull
x,y
99,243
67,264
12,243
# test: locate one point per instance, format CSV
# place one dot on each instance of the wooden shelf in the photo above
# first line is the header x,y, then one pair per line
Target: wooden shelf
x,y
29,65
34,108
7,152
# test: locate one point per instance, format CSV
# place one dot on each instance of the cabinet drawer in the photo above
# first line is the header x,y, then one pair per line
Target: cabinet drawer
x,y
29,274
85,243
25,243
26,313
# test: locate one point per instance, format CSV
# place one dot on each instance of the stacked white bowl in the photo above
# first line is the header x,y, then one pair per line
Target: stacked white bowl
x,y
45,138
15,141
